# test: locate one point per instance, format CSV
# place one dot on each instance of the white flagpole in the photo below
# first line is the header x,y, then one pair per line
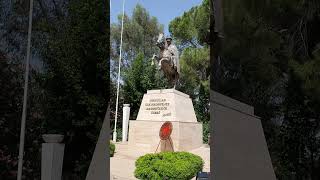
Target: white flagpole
x,y
25,94
116,116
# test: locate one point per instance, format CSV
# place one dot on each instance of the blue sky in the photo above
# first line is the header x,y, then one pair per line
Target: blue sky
x,y
164,10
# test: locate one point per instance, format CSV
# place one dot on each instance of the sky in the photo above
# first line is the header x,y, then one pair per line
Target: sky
x,y
164,10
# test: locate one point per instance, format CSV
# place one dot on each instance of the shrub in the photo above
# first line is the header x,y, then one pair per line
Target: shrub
x,y
119,134
206,132
112,148
168,165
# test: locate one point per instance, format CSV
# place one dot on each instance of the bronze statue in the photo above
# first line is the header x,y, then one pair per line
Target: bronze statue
x,y
168,60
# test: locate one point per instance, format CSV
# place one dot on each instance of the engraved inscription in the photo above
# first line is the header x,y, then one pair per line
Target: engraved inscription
x,y
157,105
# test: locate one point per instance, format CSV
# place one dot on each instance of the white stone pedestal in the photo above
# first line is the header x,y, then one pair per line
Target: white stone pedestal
x,y
157,107
125,122
166,105
145,134
52,157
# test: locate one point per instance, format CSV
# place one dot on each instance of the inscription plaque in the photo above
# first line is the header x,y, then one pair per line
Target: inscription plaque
x,y
157,106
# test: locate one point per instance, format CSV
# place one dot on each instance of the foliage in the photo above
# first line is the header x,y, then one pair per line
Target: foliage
x,y
206,131
10,113
75,80
11,95
112,149
309,73
139,76
139,33
190,31
269,60
195,80
119,133
194,64
168,165
192,28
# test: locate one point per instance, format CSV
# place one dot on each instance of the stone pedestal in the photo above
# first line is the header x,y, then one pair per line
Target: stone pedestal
x,y
52,157
125,122
157,107
166,105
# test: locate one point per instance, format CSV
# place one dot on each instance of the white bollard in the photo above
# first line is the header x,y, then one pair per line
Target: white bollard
x,y
52,157
125,122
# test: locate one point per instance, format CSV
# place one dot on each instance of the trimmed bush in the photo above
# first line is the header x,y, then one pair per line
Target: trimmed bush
x,y
168,166
112,148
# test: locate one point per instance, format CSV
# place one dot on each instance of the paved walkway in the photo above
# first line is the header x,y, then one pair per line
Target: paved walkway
x,y
122,165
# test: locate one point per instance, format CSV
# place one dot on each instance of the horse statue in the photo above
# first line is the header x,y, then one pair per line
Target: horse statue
x,y
166,61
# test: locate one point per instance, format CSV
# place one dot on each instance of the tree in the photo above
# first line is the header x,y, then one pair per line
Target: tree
x,y
10,111
68,94
139,33
194,64
191,33
14,27
76,81
266,62
192,28
11,101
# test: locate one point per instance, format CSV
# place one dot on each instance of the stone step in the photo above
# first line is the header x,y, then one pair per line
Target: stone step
x,y
122,168
123,149
204,153
114,177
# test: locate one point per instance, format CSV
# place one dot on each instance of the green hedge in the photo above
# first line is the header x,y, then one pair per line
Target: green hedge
x,y
112,148
168,165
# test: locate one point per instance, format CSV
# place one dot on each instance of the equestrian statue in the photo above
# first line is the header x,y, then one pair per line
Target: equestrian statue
x,y
168,59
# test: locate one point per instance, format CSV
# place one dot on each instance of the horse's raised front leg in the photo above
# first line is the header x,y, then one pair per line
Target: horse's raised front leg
x,y
155,59
159,65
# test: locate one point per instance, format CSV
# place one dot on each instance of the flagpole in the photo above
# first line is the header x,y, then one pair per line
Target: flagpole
x,y
25,94
116,116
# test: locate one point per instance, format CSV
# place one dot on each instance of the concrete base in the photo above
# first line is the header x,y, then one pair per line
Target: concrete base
x,y
145,135
157,107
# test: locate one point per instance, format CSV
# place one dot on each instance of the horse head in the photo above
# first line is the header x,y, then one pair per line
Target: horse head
x,y
161,42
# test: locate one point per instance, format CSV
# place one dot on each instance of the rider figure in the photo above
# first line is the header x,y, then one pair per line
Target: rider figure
x,y
174,54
